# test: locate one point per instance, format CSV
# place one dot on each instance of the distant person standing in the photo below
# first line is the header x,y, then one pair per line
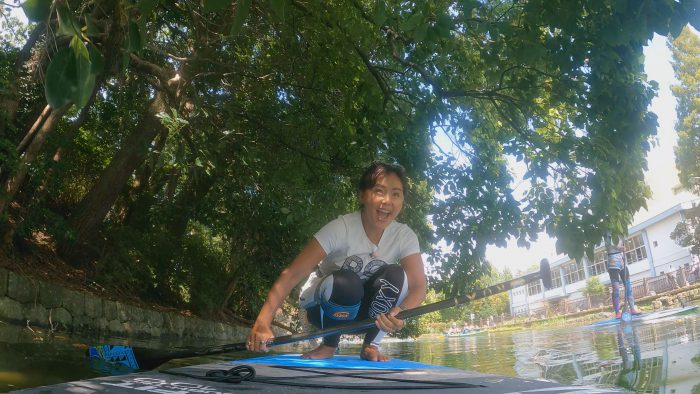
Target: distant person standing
x,y
619,274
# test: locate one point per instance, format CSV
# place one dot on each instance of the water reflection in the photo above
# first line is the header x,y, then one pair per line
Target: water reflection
x,y
663,357
29,359
658,357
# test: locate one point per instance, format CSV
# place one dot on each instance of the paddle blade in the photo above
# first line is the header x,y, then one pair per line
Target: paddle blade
x,y
113,359
626,316
118,355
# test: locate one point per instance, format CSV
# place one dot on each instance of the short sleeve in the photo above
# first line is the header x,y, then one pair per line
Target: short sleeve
x,y
330,235
409,243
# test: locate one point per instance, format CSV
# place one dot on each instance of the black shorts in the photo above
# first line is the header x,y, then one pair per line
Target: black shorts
x,y
350,299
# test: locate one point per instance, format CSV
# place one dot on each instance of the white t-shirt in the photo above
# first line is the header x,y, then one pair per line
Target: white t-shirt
x,y
346,245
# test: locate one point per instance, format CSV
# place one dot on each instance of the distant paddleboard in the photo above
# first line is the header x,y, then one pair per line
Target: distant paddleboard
x,y
648,317
463,334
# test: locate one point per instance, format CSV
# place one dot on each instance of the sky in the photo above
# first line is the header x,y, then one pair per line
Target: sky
x,y
661,177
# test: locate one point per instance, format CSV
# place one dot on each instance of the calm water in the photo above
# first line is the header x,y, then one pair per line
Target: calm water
x,y
663,357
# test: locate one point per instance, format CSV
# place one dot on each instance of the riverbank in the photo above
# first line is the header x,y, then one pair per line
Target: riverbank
x,y
40,291
35,303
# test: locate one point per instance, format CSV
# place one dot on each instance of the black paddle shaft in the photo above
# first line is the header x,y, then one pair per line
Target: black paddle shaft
x,y
151,358
544,273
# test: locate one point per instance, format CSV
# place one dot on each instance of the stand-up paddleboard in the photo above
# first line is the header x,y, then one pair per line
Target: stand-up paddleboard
x,y
648,317
291,374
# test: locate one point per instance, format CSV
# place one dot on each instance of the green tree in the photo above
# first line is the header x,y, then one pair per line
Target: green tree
x,y
141,134
686,66
594,288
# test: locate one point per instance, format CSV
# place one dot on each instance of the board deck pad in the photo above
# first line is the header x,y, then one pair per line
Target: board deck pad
x,y
337,362
648,317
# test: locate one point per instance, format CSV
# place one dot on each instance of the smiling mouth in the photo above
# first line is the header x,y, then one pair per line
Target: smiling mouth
x,y
383,214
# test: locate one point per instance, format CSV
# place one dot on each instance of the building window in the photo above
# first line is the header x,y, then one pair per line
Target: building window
x,y
599,264
573,272
556,277
635,249
534,288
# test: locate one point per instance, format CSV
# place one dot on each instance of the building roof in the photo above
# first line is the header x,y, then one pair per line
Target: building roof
x,y
663,215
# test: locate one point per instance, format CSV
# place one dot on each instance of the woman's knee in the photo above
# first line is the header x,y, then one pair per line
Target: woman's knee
x,y
339,295
393,273
345,288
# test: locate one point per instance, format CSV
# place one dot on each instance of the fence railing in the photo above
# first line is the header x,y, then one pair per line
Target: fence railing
x,y
640,288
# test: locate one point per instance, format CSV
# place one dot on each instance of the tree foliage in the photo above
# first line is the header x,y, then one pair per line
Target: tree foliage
x,y
594,288
187,150
686,66
687,232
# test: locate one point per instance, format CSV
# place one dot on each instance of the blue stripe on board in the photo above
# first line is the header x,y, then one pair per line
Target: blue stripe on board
x,y
337,362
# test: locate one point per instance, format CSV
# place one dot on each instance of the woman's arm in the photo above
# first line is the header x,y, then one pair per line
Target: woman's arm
x,y
417,283
301,266
417,288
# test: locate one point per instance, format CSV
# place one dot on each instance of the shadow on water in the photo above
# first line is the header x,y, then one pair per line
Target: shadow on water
x,y
659,357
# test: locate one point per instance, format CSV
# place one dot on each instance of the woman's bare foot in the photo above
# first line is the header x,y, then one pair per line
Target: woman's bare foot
x,y
371,353
322,352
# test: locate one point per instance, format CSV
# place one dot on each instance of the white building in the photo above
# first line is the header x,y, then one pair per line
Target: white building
x,y
650,252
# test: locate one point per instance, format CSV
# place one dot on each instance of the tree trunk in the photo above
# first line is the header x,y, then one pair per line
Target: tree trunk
x,y
187,203
94,207
29,137
146,184
15,181
40,192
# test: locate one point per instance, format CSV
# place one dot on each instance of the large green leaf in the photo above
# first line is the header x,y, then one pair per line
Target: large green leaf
x,y
37,10
147,6
135,43
96,58
60,79
84,77
69,76
279,7
67,25
242,10
215,5
380,13
412,22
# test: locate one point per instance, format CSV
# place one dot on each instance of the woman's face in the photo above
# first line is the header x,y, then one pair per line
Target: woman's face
x,y
382,202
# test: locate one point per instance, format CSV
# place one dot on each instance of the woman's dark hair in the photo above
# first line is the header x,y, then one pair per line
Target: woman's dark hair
x,y
378,169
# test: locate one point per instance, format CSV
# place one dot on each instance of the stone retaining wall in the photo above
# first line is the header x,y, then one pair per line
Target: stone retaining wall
x,y
32,302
